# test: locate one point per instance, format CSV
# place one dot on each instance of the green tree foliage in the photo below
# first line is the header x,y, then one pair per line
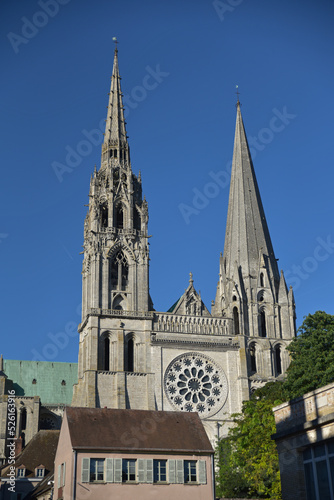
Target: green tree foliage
x,y
312,355
247,458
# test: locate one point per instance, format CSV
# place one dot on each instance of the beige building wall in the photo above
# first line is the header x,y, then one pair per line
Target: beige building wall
x,y
304,427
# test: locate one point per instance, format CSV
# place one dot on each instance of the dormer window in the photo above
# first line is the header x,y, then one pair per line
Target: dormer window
x,y
40,471
21,471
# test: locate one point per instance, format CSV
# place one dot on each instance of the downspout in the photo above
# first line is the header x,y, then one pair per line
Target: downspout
x,y
213,476
74,474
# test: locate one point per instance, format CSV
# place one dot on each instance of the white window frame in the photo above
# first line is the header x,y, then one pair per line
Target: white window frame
x,y
127,472
188,466
96,471
144,470
40,471
21,472
314,460
157,462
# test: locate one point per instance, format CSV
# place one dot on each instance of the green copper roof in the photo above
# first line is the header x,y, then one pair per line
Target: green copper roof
x,y
52,382
171,309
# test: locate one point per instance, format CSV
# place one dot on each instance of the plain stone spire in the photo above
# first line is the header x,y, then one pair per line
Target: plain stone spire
x,y
247,233
250,293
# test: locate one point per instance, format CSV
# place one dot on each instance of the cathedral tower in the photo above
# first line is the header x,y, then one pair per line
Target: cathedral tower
x,y
251,293
185,359
115,275
116,253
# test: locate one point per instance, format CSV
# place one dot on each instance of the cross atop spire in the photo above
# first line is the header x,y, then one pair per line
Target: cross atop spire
x,y
116,42
238,93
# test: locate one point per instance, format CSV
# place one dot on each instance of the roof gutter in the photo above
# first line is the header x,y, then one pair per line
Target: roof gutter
x,y
74,474
213,477
128,449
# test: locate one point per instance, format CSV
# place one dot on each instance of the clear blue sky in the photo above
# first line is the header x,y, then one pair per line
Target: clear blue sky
x,y
56,69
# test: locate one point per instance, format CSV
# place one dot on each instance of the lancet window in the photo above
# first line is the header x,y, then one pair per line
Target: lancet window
x,y
119,271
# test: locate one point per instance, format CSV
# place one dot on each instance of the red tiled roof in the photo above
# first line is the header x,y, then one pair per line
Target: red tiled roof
x,y
144,430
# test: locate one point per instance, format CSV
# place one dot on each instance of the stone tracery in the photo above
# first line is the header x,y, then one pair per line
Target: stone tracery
x,y
194,382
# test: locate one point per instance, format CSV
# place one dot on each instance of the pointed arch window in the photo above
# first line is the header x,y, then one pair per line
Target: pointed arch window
x,y
24,419
252,355
261,280
118,303
263,327
136,220
129,355
278,360
119,216
119,272
106,354
104,214
116,175
236,326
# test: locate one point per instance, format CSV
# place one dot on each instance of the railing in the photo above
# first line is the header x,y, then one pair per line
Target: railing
x,y
169,322
126,231
121,313
202,325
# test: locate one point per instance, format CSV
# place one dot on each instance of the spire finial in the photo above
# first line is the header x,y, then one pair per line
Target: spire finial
x,y
238,93
191,278
114,39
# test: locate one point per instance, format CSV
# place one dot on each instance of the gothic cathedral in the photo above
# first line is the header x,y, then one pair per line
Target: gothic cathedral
x,y
186,359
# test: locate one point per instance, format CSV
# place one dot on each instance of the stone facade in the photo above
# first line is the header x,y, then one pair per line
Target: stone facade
x,y
305,444
186,359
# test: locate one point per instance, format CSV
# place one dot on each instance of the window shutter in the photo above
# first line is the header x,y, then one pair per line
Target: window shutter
x,y
85,470
59,476
141,470
64,468
109,470
149,470
202,472
171,471
117,470
179,472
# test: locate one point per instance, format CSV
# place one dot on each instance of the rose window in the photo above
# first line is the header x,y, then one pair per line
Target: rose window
x,y
194,382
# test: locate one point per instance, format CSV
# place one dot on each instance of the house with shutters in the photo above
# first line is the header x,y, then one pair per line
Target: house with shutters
x,y
120,453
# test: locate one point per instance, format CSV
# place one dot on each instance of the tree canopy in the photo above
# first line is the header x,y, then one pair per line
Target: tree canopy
x,y
312,355
247,457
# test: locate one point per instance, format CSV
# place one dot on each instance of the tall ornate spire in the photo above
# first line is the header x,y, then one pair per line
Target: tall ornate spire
x,y
115,144
247,232
115,273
